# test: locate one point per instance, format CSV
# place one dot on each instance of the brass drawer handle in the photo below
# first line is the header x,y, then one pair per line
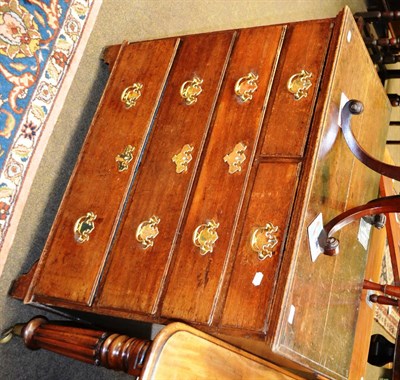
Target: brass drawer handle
x,y
205,236
264,240
123,159
191,89
84,226
246,86
147,231
183,158
236,158
299,83
131,94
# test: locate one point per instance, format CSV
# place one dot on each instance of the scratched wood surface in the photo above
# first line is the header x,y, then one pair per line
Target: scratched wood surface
x,y
69,270
323,297
182,352
158,189
195,279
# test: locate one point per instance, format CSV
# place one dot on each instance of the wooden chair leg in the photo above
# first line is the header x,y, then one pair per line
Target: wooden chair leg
x,y
113,351
389,290
384,300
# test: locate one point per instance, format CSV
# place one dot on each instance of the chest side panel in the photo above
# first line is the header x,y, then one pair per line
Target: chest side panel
x,y
322,297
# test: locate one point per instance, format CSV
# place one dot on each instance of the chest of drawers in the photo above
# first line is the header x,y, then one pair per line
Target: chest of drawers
x,y
208,158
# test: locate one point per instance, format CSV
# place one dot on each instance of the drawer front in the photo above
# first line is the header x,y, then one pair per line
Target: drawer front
x,y
195,277
288,120
255,270
148,231
75,252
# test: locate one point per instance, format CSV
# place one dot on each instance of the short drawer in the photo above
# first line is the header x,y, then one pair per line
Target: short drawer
x,y
300,68
261,247
76,248
158,197
206,237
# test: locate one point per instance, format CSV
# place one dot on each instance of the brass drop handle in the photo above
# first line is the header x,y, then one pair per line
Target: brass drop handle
x,y
236,158
264,240
147,231
124,158
183,158
191,89
299,83
131,94
205,236
246,86
84,226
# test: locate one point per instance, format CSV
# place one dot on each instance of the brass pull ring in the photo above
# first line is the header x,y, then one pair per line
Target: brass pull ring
x,y
191,89
147,232
205,236
131,94
264,240
246,86
6,335
9,333
299,83
84,226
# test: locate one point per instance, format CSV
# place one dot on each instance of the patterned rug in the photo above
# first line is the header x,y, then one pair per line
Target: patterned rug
x,y
387,316
41,43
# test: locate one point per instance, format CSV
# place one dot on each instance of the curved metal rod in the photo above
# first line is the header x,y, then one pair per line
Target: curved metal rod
x,y
355,107
377,206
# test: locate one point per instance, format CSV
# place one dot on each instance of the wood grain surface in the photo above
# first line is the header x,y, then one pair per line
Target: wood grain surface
x,y
195,279
303,313
158,190
70,270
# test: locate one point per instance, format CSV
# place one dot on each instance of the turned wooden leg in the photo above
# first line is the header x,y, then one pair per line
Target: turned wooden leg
x,y
374,16
383,300
389,290
113,351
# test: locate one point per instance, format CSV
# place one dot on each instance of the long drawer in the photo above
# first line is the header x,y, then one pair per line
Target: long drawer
x,y
77,247
204,247
161,190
